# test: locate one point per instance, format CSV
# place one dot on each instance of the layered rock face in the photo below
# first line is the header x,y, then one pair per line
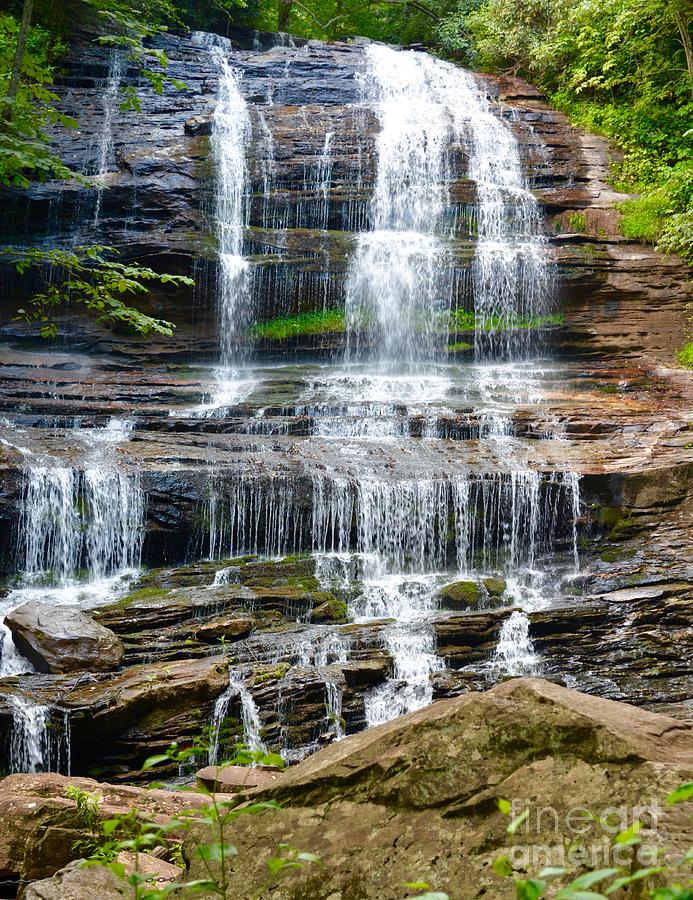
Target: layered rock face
x,y
142,482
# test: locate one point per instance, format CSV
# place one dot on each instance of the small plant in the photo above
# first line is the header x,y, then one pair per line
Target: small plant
x,y
613,881
577,222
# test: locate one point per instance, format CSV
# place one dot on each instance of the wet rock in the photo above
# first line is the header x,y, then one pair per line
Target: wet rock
x,y
495,586
435,777
330,610
366,672
230,779
198,125
63,639
223,628
461,594
468,637
118,720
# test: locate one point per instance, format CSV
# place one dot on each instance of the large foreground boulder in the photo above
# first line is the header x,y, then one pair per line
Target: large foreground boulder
x,y
416,799
63,639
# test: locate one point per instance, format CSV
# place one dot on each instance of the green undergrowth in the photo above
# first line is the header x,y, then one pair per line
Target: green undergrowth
x,y
333,321
686,356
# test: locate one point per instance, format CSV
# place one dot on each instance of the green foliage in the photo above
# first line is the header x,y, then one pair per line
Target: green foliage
x,y
24,151
88,805
132,833
333,321
84,276
612,881
327,321
616,67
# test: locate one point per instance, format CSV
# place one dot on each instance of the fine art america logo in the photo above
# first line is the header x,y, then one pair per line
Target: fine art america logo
x,y
578,837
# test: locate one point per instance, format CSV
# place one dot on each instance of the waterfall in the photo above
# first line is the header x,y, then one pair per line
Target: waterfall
x,y
396,280
514,653
71,520
231,133
401,280
104,155
414,660
38,742
333,708
250,718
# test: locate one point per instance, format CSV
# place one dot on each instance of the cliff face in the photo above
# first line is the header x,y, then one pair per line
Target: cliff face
x,y
621,299
609,412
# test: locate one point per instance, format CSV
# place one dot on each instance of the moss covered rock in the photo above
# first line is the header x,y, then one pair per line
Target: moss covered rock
x,y
461,594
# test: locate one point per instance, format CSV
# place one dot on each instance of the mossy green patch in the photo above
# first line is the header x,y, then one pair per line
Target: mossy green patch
x,y
327,321
273,674
685,357
145,593
462,593
328,608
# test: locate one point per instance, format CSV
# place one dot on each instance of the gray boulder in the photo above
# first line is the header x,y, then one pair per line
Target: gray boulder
x,y
63,639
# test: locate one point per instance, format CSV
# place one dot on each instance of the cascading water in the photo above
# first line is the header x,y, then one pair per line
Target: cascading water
x,y
39,741
250,718
80,520
104,154
396,284
81,531
231,131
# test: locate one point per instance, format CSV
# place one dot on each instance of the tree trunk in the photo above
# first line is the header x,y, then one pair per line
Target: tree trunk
x,y
19,56
683,26
284,15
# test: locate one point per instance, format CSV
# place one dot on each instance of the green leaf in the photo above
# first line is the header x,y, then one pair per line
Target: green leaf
x,y
681,794
505,806
569,893
553,872
591,878
503,866
516,822
529,889
630,879
629,836
152,761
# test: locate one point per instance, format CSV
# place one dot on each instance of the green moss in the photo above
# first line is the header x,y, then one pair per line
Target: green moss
x,y
461,345
685,357
146,593
495,586
609,556
466,320
577,222
274,674
616,522
328,608
328,321
333,321
462,593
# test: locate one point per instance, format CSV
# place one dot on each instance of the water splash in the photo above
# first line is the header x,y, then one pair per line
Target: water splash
x,y
515,654
250,717
73,520
38,742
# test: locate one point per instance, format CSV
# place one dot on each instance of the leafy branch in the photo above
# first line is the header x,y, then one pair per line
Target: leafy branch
x,y
85,276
